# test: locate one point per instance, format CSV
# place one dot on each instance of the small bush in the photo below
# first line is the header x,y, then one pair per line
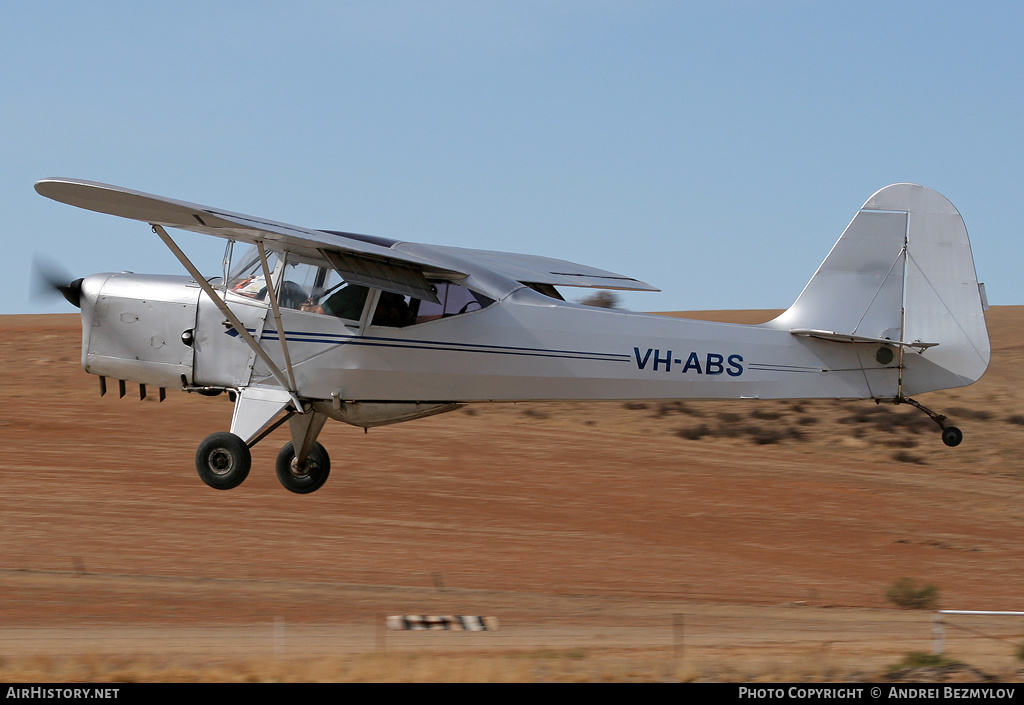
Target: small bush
x,y
906,594
905,457
694,434
921,659
765,436
675,407
602,299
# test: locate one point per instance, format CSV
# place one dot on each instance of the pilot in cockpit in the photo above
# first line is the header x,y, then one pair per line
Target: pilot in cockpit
x,y
392,310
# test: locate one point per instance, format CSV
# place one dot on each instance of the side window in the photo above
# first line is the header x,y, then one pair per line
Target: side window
x,y
306,286
345,301
454,299
316,288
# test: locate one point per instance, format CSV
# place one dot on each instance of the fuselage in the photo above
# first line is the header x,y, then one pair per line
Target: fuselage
x,y
165,331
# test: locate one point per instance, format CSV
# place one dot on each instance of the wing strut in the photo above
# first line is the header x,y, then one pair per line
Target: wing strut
x,y
232,318
277,314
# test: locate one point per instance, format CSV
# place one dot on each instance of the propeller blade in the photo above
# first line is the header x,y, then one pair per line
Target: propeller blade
x,y
49,278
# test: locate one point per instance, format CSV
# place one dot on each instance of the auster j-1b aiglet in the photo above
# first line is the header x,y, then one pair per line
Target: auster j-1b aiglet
x,y
307,325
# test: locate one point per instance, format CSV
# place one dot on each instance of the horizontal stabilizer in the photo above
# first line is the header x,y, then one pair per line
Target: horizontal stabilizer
x,y
849,338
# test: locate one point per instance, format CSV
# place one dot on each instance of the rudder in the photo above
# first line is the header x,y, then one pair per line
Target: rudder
x,y
902,271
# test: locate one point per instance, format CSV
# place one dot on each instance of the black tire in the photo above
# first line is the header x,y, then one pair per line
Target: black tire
x,y
223,461
951,436
308,479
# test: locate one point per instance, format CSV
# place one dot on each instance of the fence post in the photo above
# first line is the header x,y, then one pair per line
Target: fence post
x,y
278,636
677,635
939,634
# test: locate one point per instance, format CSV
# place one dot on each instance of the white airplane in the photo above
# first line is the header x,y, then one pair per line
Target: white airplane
x,y
307,325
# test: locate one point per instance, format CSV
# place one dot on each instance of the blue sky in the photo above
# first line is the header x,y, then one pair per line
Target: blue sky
x,y
713,149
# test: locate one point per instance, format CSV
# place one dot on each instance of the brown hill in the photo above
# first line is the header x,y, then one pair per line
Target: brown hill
x,y
542,513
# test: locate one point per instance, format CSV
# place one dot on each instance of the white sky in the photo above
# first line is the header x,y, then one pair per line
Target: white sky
x,y
713,149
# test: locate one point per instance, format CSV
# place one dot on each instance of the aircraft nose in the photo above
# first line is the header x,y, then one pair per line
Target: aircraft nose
x,y
72,292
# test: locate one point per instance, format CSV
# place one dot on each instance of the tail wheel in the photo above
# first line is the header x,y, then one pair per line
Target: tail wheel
x,y
303,478
223,461
951,436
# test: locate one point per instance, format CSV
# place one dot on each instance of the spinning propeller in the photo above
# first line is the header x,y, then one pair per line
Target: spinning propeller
x,y
48,277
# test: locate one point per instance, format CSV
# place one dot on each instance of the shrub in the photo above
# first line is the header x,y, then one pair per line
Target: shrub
x,y
602,299
921,659
906,594
694,434
905,457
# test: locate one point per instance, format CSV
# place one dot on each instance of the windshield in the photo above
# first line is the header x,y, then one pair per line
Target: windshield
x,y
246,276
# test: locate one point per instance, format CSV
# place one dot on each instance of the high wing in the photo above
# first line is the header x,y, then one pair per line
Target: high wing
x,y
362,262
376,262
532,268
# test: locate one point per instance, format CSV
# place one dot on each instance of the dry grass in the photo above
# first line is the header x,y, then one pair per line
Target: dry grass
x,y
570,666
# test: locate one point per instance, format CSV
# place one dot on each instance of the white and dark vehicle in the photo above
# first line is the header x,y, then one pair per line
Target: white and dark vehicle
x,y
308,325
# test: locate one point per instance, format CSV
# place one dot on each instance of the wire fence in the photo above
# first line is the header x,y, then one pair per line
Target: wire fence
x,y
1005,627
691,634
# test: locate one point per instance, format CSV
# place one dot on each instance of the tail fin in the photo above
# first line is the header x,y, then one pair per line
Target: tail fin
x,y
902,271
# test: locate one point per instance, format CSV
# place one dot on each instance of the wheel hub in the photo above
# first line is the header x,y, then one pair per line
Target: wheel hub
x,y
220,462
300,469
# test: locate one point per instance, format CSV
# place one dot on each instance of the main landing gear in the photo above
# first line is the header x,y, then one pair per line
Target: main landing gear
x,y
951,435
307,476
223,459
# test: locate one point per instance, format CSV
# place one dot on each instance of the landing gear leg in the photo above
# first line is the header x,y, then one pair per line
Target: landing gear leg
x,y
951,435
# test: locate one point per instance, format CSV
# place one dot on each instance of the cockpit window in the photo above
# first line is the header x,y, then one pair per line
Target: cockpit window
x,y
314,286
454,299
318,288
246,276
400,311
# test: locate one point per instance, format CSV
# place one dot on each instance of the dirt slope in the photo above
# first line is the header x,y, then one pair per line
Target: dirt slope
x,y
507,508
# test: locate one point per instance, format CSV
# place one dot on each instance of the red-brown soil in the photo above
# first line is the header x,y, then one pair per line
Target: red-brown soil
x,y
547,515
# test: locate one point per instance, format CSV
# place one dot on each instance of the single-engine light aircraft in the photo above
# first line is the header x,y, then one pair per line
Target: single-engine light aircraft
x,y
307,325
